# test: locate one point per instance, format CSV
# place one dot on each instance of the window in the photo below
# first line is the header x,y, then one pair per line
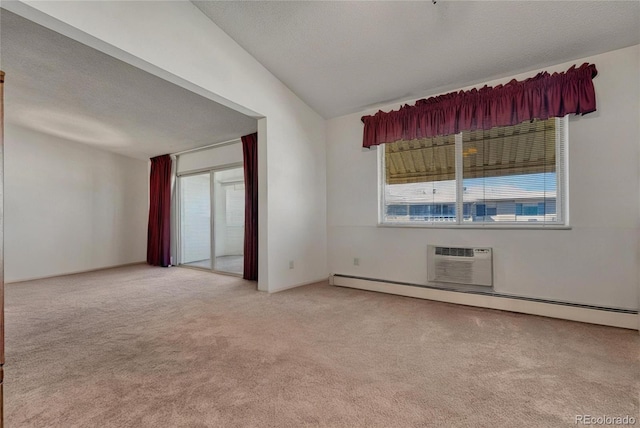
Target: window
x,y
504,175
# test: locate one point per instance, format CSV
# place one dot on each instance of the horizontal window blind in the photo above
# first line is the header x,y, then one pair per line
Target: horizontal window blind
x,y
526,148
510,174
419,161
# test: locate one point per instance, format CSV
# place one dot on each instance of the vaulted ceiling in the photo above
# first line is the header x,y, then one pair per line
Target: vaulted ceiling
x,y
344,56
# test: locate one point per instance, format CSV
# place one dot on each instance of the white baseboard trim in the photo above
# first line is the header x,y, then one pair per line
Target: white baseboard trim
x,y
552,310
74,272
289,287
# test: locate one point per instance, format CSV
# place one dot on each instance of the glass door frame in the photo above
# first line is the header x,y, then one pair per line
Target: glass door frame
x,y
178,212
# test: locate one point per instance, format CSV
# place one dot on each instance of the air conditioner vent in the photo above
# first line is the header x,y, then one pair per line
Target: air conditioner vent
x,y
472,266
456,252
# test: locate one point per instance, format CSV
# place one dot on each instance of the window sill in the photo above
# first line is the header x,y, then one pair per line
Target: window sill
x,y
510,226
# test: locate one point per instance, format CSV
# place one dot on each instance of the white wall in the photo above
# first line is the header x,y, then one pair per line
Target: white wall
x,y
179,43
596,262
210,158
70,207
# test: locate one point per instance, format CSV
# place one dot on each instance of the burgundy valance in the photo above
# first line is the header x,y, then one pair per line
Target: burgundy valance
x,y
540,97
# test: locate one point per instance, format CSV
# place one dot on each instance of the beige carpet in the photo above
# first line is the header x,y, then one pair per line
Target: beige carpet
x,y
154,347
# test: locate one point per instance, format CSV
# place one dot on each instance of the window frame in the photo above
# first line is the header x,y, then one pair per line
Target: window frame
x,y
562,191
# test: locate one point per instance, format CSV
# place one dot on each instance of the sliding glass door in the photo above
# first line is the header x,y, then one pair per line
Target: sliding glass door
x,y
195,220
212,220
228,209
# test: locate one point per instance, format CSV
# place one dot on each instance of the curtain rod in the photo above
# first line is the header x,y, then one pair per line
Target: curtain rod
x,y
209,146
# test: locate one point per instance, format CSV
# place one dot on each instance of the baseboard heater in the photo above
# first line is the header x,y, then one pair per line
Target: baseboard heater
x,y
487,298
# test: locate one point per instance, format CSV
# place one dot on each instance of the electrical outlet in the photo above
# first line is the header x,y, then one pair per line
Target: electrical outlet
x,y
290,264
356,261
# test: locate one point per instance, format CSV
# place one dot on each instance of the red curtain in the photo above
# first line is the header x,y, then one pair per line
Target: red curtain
x,y
159,234
540,97
250,157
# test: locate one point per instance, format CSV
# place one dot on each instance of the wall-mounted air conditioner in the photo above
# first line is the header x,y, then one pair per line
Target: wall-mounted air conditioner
x,y
459,265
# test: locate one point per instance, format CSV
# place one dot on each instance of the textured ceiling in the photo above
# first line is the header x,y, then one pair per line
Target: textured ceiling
x,y
57,86
342,57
